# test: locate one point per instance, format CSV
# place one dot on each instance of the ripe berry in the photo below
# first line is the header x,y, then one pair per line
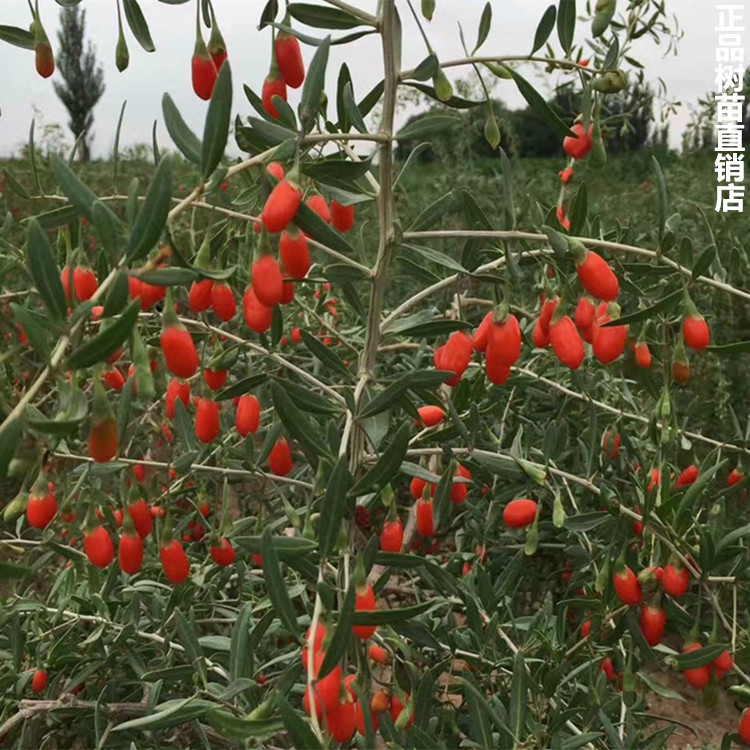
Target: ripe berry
x,y
103,440
676,581
327,690
85,283
722,664
281,206
247,419
416,487
280,458
287,292
177,389
179,351
142,518
294,253
113,379
695,331
566,343
257,315
597,278
425,519
611,445
207,420
653,620
548,310
459,492
519,513
700,676
130,553
318,204
380,656
687,477
585,312
342,217
223,302
608,343
199,296
504,341
204,71
497,372
431,415
98,546
174,562
273,85
735,477
744,726
44,59
479,340
223,554
579,147
539,337
608,669
585,628
454,356
39,680
681,371
289,59
642,355
40,509
364,602
215,379
340,720
392,536
566,175
627,586
267,280
275,170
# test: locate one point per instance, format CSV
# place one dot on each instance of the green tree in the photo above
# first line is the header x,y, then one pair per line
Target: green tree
x,y
83,78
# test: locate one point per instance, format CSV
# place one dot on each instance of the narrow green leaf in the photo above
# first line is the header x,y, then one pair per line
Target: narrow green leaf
x,y
241,387
183,137
107,340
218,117
137,22
397,614
169,714
430,217
544,29
698,658
314,81
322,17
342,634
287,547
78,193
661,186
15,185
276,585
298,425
239,662
334,505
665,303
117,297
300,732
705,259
537,102
387,466
388,398
9,440
485,23
191,644
310,223
17,37
152,216
566,24
324,354
45,271
427,125
9,570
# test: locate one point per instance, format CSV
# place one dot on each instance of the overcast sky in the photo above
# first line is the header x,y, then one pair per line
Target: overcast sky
x,y
687,76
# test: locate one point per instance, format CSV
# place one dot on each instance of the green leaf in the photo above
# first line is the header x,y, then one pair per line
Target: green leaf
x,y
117,296
239,663
240,730
427,329
45,271
9,440
276,585
665,303
333,505
537,102
183,137
308,400
351,110
107,340
241,387
455,102
61,426
287,547
152,216
335,171
341,273
324,354
387,466
36,328
397,614
310,223
169,714
544,29
698,658
427,68
298,425
17,37
704,261
189,640
427,125
566,24
107,228
169,276
15,185
480,729
218,118
321,17
342,634
389,397
314,82
78,193
9,570
485,23
299,731
430,217
662,193
739,347
138,25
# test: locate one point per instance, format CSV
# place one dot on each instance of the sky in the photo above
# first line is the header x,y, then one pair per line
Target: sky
x,y
687,76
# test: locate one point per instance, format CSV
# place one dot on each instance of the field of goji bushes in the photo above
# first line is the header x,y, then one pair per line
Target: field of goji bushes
x,y
318,448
